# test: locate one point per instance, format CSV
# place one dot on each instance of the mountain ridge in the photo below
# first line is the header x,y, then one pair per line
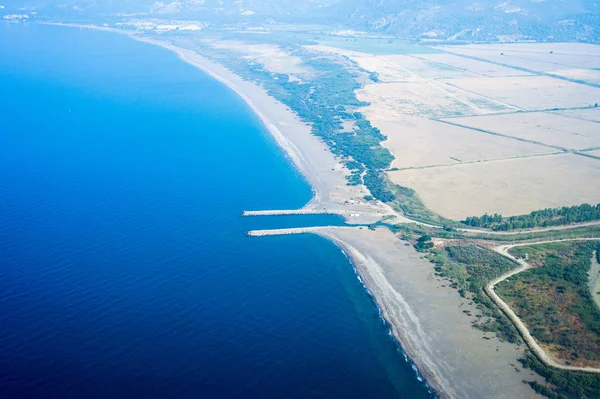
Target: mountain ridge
x,y
450,20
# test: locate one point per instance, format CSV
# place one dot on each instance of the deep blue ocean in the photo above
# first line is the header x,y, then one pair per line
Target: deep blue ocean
x,y
125,271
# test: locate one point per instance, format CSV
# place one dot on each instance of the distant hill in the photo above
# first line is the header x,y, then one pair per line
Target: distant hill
x,y
451,20
482,19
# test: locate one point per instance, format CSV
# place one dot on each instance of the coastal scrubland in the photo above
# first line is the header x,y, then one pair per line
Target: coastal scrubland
x,y
555,301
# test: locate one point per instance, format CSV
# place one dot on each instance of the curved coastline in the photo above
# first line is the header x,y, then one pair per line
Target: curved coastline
x,y
432,380
326,176
247,91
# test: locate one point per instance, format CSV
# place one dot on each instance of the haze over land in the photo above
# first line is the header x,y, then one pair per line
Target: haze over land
x,y
452,20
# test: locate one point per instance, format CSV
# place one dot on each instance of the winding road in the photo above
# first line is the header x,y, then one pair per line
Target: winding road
x,y
531,342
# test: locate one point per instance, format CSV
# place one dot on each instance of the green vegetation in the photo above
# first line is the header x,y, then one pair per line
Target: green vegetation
x,y
563,384
325,98
544,218
553,299
424,243
470,268
407,200
449,232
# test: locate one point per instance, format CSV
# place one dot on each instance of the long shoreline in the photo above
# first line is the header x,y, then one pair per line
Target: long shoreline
x,y
360,263
314,161
211,68
226,77
223,75
432,381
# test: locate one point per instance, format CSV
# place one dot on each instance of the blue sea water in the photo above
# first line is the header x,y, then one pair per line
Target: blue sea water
x,y
125,271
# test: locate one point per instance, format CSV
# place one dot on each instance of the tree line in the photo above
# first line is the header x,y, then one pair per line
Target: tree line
x,y
542,218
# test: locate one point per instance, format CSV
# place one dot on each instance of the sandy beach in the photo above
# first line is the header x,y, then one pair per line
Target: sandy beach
x,y
427,318
424,314
312,158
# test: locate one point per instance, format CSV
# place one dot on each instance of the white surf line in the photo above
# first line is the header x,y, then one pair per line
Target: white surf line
x,y
531,342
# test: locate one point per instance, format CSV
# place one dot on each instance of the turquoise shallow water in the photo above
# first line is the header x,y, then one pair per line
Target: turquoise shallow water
x,y
125,271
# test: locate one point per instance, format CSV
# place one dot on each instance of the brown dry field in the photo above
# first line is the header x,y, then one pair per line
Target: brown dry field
x,y
395,68
462,172
592,114
587,75
509,187
531,92
540,48
480,68
418,142
535,56
426,98
595,152
552,128
408,68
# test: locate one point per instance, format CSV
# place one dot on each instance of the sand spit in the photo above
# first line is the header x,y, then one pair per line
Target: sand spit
x,y
428,320
309,154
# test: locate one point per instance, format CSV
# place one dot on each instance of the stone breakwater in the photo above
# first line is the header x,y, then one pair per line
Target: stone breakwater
x,y
284,232
295,212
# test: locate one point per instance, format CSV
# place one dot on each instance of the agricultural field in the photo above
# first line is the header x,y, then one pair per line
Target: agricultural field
x,y
531,92
538,57
435,143
588,75
588,114
508,187
479,68
425,99
487,128
553,299
549,128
